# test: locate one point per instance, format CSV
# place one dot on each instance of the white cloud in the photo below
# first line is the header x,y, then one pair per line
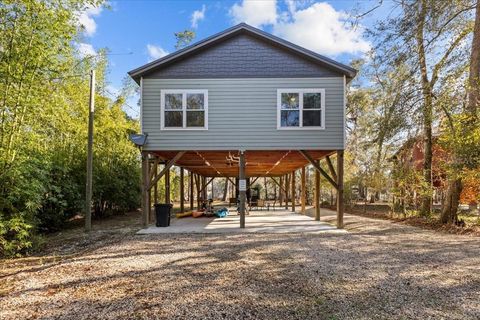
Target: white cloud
x,y
318,26
86,20
155,52
322,29
198,15
255,13
85,49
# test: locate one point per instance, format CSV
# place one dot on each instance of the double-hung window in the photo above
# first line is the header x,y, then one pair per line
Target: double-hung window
x,y
300,108
184,109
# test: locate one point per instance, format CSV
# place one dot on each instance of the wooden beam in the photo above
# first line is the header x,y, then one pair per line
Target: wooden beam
x,y
303,191
153,173
331,168
206,184
251,183
340,189
278,184
150,198
197,188
155,186
287,180
317,195
166,168
317,167
145,190
281,190
293,191
167,186
191,190
182,190
231,181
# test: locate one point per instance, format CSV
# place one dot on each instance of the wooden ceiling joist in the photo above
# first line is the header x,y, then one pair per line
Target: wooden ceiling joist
x,y
259,163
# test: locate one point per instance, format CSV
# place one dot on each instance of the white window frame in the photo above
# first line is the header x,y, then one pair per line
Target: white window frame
x,y
300,108
184,110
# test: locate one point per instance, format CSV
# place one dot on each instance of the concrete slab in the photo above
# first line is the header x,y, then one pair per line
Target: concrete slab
x,y
279,221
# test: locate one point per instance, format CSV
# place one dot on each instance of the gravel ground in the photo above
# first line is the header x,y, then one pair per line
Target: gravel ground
x,y
380,270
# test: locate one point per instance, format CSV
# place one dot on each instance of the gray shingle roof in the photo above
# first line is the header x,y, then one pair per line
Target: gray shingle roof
x,y
348,71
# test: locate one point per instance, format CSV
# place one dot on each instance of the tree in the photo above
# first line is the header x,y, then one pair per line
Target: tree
x,y
184,38
464,131
428,37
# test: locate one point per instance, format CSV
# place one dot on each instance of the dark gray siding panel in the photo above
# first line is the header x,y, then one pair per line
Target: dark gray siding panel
x,y
242,114
242,56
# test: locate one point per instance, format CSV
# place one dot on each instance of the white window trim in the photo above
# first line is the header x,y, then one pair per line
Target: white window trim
x,y
184,93
300,107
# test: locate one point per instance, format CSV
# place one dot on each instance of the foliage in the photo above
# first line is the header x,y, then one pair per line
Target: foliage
x,y
43,115
184,38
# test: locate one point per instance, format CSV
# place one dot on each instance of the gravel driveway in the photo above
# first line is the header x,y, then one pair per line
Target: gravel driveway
x,y
379,270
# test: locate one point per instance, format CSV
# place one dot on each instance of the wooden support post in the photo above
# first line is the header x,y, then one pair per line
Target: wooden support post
x,y
280,193
340,189
331,169
167,167
191,191
287,180
204,188
167,186
242,188
316,165
155,186
303,191
197,189
145,191
317,194
293,191
182,190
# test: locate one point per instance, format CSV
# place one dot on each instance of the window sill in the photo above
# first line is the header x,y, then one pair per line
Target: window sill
x,y
183,129
301,128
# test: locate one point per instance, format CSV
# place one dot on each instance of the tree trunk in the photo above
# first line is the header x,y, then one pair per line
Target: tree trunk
x,y
455,186
427,111
449,211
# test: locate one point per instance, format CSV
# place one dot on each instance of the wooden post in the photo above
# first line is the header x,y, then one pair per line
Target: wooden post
x,y
155,186
303,191
204,189
242,188
145,191
151,169
280,192
317,194
182,190
340,189
293,191
191,190
197,189
167,186
287,180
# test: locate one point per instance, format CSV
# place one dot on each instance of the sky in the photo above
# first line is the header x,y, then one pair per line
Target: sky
x,y
136,32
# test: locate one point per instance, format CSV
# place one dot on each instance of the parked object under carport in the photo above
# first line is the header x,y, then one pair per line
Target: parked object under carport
x,y
162,212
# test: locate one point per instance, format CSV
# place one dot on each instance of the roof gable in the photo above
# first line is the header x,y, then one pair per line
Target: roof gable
x,y
242,51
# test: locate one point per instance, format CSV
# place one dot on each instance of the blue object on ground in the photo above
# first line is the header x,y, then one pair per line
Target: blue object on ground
x,y
222,213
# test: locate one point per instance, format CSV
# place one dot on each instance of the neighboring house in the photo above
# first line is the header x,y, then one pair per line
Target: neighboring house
x,y
410,156
243,92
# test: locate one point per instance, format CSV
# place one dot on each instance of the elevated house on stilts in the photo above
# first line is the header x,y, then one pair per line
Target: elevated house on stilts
x,y
243,104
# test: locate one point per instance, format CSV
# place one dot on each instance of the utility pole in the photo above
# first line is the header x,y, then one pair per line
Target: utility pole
x,y
88,199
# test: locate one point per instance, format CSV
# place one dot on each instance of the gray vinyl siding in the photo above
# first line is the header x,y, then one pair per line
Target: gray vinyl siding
x,y
242,114
243,56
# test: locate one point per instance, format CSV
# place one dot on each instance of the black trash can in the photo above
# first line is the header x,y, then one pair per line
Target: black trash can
x,y
162,212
